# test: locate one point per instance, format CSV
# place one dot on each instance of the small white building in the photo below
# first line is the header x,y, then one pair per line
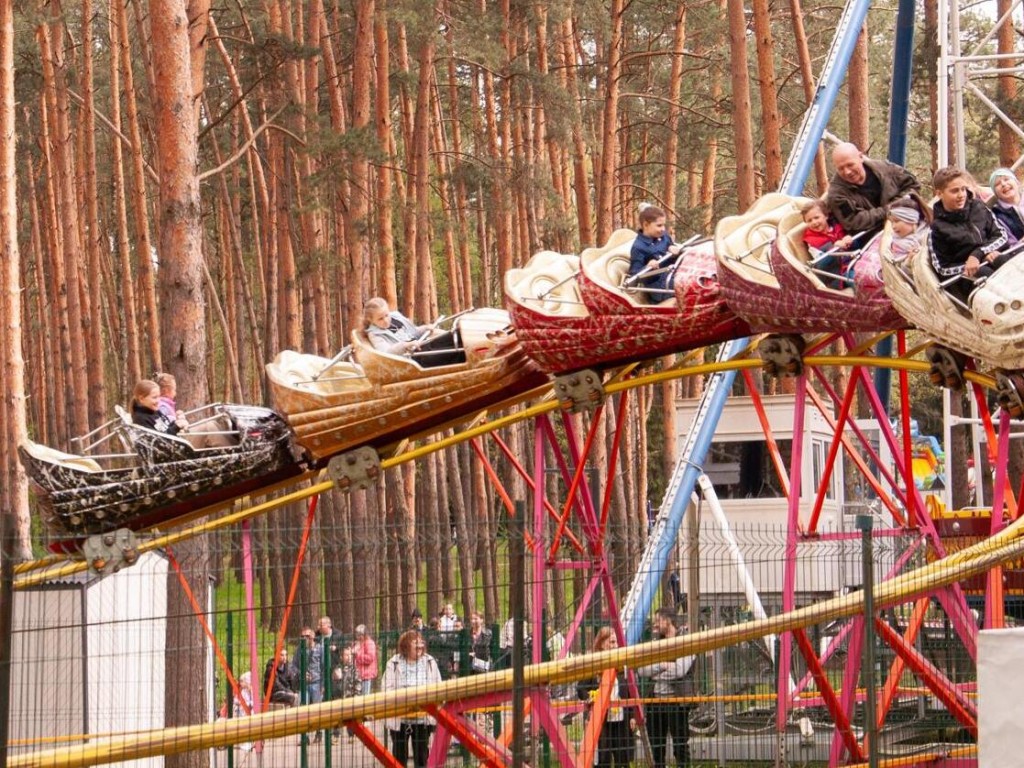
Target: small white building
x,y
87,657
748,486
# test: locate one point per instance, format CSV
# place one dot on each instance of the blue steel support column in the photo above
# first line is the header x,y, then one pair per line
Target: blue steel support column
x,y
902,59
825,96
694,468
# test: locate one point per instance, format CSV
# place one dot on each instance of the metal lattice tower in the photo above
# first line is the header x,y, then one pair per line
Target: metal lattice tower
x,y
959,73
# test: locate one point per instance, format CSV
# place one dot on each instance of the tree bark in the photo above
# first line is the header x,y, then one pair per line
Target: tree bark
x,y
857,79
184,331
769,100
1009,143
609,124
15,425
92,232
741,117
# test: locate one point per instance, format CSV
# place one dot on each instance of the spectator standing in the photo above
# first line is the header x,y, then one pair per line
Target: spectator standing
x,y
479,643
447,618
364,652
412,666
310,654
671,680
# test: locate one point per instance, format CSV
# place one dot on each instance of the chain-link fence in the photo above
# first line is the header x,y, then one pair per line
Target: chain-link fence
x,y
257,619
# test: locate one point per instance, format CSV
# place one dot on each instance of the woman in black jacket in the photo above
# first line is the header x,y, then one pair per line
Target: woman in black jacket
x,y
146,410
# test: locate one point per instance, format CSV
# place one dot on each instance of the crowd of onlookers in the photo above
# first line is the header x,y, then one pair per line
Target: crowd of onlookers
x,y
327,665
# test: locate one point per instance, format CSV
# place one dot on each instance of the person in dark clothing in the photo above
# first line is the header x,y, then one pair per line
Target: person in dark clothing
x,y
862,188
965,239
145,410
653,249
672,679
285,688
479,643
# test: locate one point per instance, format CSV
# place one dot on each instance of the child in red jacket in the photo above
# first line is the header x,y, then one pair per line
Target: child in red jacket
x,y
823,234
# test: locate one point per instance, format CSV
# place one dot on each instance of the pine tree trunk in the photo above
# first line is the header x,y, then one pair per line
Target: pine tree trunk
x,y
93,294
144,245
66,208
120,193
609,124
184,331
769,101
741,116
1009,143
803,55
857,82
15,427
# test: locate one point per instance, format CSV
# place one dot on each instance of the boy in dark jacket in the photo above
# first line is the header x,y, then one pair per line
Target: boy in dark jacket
x,y
965,238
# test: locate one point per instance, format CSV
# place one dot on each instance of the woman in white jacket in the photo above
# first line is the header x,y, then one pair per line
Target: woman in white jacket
x,y
411,666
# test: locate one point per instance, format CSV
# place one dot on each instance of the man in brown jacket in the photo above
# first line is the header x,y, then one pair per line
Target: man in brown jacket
x,y
862,188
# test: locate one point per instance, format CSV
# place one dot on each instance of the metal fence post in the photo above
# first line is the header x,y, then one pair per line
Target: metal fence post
x,y
864,525
6,626
517,607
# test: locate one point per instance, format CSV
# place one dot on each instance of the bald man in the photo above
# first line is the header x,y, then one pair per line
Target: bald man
x,y
862,188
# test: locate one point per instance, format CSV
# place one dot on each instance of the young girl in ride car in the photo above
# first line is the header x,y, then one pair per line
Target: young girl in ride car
x,y
823,234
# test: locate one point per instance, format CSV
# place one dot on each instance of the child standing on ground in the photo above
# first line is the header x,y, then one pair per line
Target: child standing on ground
x,y
823,234
652,245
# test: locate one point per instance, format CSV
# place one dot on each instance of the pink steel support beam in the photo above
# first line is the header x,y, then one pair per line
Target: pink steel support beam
x,y
828,694
793,530
537,647
620,418
835,645
833,451
498,487
952,598
577,476
451,724
865,444
854,454
908,448
528,479
848,696
200,614
250,615
588,519
545,716
960,707
994,604
582,499
293,589
897,568
990,437
372,743
892,683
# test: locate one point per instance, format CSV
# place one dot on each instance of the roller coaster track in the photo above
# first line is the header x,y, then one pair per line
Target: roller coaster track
x,y
972,561
46,569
